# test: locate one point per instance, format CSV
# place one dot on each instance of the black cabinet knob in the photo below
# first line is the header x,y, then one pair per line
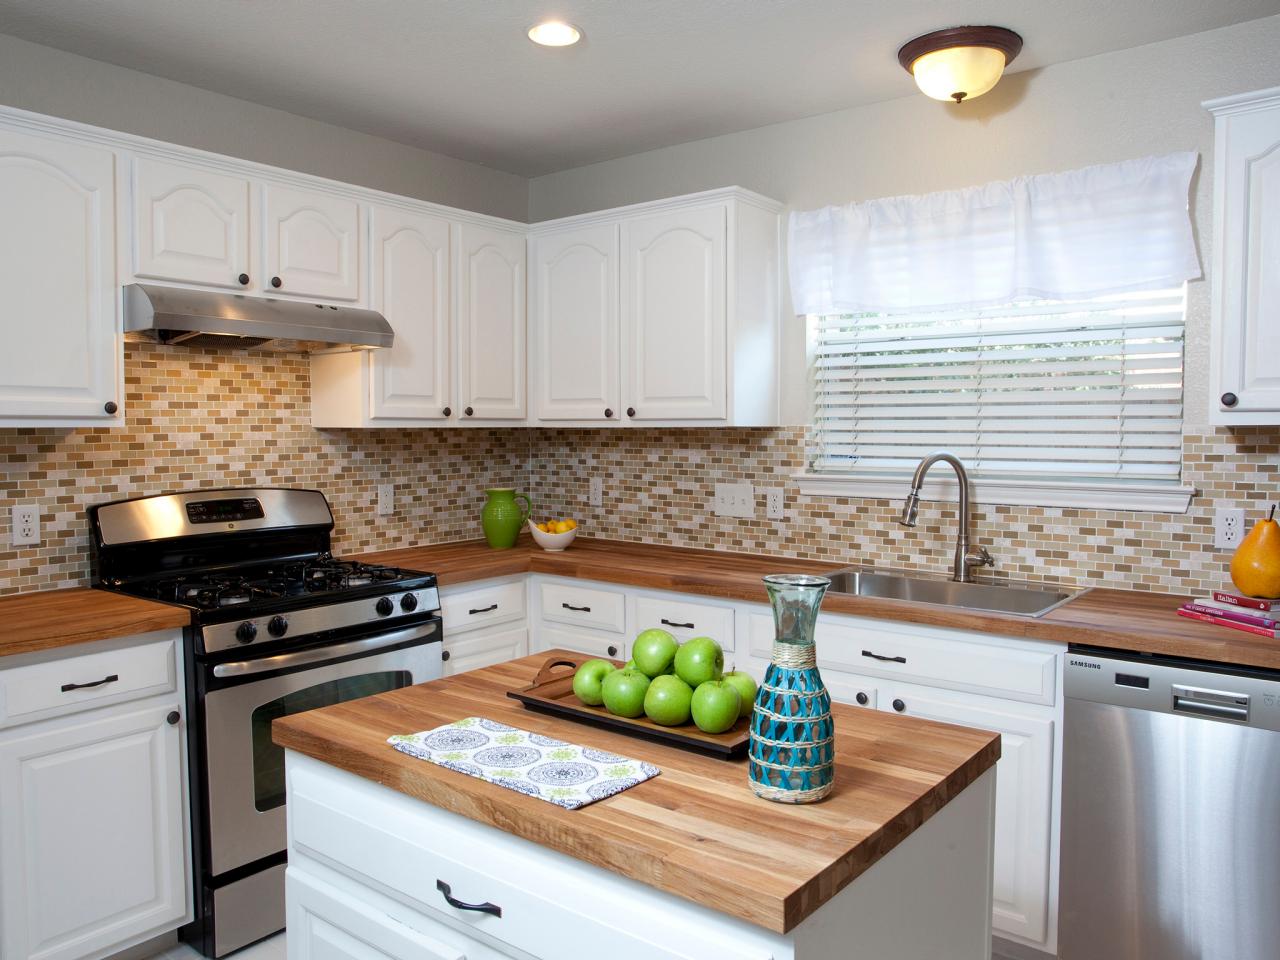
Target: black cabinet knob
x,y
384,607
608,413
613,651
468,411
1230,399
275,282
448,411
247,632
862,698
444,655
631,411
173,718
899,705
110,406
244,279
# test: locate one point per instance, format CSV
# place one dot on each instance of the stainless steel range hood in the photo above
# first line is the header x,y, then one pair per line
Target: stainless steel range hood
x,y
202,318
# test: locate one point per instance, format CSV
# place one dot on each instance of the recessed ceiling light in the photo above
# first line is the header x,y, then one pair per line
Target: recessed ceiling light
x,y
555,33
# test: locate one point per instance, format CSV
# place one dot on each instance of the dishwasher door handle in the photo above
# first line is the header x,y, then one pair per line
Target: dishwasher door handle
x,y
1215,704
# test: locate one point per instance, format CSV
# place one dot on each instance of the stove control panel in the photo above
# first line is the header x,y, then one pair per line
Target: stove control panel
x,y
298,624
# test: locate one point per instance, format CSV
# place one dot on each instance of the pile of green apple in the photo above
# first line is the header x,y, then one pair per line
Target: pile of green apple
x,y
670,683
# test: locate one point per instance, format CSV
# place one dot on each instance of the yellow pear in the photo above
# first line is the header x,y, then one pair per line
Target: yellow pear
x,y
1255,568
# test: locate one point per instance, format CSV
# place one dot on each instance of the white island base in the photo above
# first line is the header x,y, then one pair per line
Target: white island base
x,y
365,862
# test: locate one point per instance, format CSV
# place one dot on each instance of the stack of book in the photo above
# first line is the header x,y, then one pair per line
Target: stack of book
x,y
1260,617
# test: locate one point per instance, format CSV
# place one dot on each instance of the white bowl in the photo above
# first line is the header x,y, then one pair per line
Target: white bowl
x,y
552,542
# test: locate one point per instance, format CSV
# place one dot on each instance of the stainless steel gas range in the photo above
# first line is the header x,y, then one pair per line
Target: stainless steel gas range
x,y
278,626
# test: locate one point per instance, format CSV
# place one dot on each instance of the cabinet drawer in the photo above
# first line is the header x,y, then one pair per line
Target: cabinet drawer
x,y
79,683
584,606
685,620
606,645
484,648
471,609
952,659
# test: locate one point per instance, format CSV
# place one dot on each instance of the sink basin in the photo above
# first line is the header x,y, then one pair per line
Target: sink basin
x,y
996,596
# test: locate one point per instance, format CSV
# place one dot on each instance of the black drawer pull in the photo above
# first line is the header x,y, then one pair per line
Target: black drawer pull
x,y
672,623
85,686
881,656
489,609
457,904
576,609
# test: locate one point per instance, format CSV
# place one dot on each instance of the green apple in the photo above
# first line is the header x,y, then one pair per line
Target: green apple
x,y
699,660
667,701
623,692
745,684
715,706
654,651
587,679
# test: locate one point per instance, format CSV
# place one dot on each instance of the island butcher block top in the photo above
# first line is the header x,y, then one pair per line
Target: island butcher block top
x,y
696,831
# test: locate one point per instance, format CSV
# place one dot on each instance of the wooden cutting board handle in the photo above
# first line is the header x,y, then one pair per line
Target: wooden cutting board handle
x,y
547,673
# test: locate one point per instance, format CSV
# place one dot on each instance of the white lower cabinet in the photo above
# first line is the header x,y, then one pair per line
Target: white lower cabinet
x,y
484,648
92,831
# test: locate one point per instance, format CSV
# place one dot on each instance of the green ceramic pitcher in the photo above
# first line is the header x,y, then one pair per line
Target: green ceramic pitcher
x,y
502,517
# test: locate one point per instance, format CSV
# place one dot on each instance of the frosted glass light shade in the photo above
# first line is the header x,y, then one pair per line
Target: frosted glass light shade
x,y
554,33
958,73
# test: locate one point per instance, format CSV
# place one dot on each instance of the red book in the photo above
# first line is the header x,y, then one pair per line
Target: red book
x,y
1224,622
1258,619
1253,603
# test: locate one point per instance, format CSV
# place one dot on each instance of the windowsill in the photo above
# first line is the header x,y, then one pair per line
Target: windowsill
x,y
1145,497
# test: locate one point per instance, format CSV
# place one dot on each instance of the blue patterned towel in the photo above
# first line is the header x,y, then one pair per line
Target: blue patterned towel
x,y
561,773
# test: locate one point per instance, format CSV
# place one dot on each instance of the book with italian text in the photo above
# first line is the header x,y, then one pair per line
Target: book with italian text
x,y
1257,618
1271,633
1252,603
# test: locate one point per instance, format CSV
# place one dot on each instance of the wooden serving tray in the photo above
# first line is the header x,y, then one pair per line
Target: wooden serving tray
x,y
552,692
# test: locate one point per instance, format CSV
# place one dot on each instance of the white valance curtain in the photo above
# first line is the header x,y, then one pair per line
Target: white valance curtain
x,y
1105,229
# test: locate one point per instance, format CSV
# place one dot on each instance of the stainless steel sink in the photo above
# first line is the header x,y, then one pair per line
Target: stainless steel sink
x,y
997,596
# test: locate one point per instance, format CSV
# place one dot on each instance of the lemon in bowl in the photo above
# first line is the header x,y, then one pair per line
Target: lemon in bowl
x,y
554,535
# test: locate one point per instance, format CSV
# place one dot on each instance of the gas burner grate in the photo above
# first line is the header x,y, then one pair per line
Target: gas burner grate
x,y
320,575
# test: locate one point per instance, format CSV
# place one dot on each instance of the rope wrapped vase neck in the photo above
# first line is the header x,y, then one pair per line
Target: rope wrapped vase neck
x,y
792,742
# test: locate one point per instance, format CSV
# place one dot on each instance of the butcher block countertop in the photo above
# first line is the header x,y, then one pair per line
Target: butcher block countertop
x,y
1127,620
59,618
695,831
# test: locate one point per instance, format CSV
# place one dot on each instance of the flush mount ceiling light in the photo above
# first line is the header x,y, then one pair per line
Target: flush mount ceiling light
x,y
959,63
555,33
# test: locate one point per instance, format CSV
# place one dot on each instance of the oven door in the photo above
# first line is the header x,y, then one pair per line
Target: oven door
x,y
245,770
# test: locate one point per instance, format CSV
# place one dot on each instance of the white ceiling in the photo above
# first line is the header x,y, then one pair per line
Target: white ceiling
x,y
460,77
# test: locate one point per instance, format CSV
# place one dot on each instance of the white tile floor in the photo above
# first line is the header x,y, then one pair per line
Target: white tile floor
x,y
270,949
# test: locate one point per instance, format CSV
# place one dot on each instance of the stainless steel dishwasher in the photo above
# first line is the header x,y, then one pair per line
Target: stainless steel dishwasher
x,y
1170,810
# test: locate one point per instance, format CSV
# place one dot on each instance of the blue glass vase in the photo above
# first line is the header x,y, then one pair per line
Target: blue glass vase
x,y
791,757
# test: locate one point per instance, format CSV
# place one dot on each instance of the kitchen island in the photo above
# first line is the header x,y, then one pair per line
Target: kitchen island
x,y
393,856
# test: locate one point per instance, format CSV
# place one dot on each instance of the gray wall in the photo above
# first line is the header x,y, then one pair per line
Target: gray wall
x,y
1105,108
49,81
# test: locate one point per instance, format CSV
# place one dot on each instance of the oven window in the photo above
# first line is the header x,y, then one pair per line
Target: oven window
x,y
268,759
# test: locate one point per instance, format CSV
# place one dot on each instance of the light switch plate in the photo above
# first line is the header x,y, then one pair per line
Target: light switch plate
x,y
386,499
25,530
735,500
595,491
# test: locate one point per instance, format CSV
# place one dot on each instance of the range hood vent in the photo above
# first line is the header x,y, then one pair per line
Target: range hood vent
x,y
201,318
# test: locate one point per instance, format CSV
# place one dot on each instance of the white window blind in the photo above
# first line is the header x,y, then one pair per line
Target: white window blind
x,y
1083,389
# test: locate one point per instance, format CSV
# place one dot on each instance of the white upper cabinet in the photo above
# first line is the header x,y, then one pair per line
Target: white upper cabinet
x,y
574,361
491,323
191,225
674,315
1244,374
61,362
409,285
311,243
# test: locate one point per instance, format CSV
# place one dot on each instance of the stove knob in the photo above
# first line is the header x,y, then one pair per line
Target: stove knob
x,y
278,626
384,607
408,602
247,631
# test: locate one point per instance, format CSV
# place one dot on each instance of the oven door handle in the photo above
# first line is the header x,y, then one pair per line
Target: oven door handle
x,y
298,658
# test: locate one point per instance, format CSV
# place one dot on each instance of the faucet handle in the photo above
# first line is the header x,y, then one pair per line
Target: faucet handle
x,y
978,557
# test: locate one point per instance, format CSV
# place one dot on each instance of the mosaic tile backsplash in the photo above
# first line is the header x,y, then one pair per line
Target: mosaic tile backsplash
x,y
201,419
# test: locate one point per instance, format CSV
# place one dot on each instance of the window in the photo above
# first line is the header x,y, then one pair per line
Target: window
x,y
1085,391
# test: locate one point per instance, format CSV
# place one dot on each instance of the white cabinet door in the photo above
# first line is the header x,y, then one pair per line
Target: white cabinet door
x,y
1024,798
491,324
91,825
674,315
409,284
574,361
190,225
311,243
484,648
58,295
1246,328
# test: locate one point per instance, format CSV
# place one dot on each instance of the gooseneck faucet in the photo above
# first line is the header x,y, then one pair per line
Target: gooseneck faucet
x,y
966,556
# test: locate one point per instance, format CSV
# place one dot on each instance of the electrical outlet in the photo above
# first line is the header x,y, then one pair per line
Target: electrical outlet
x,y
735,500
26,525
773,503
386,499
1228,529
595,491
